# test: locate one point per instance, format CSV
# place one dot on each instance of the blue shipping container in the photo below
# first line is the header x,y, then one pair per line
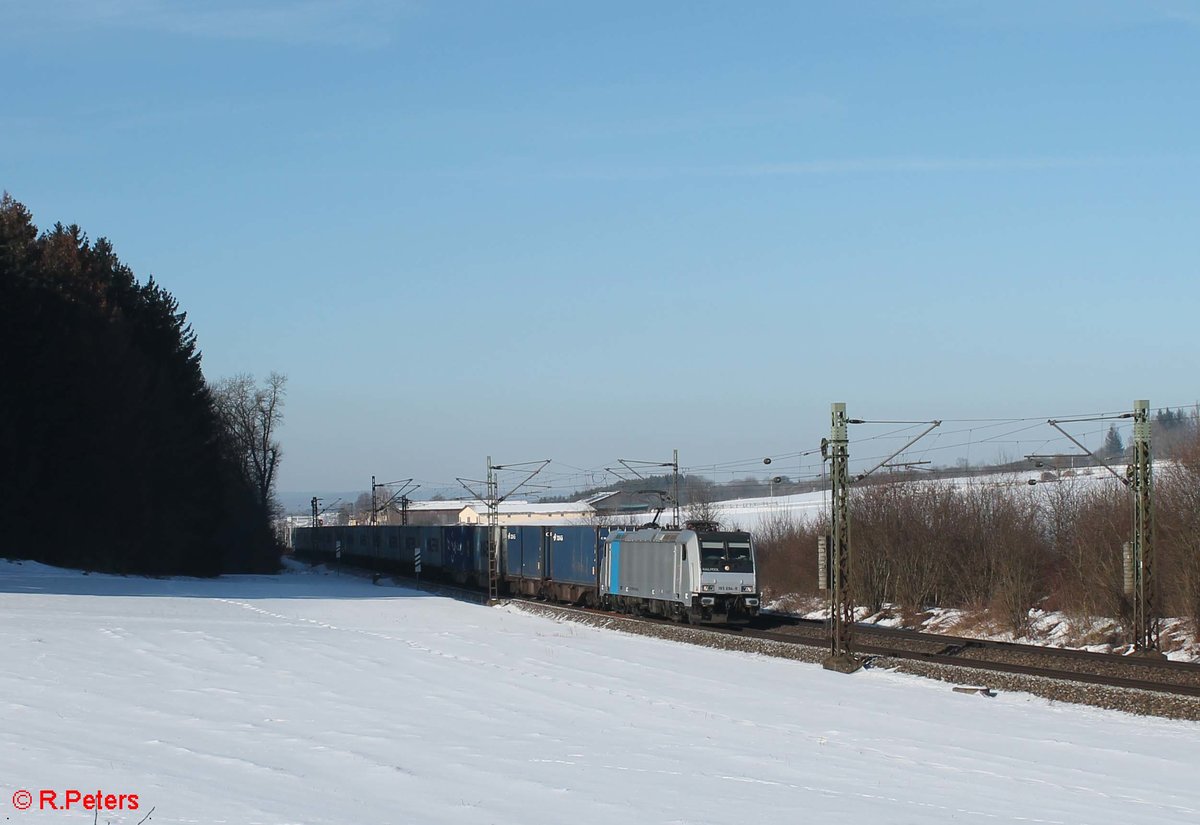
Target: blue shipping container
x,y
572,554
532,565
458,554
512,552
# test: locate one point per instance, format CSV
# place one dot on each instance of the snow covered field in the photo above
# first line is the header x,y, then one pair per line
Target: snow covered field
x,y
310,698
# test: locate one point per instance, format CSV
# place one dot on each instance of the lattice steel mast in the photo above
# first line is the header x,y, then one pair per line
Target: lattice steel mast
x,y
493,533
1140,584
492,500
837,554
1146,620
841,603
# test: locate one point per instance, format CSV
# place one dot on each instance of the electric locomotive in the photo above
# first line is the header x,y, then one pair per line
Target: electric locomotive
x,y
696,575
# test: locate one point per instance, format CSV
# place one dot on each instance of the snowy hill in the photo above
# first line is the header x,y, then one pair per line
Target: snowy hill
x,y
320,699
755,514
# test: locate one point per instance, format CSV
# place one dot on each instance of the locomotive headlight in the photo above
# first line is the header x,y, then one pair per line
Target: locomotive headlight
x,y
707,587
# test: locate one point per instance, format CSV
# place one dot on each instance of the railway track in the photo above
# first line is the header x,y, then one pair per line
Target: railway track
x,y
875,644
1112,670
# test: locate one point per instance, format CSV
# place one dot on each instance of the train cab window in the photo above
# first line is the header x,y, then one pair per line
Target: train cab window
x,y
739,557
712,555
733,556
683,552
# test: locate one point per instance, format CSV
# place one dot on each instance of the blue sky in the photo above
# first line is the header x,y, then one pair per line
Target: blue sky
x,y
590,231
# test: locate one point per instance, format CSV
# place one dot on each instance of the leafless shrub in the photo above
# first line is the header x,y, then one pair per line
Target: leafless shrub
x,y
1177,496
1087,528
1017,553
786,550
1002,547
919,545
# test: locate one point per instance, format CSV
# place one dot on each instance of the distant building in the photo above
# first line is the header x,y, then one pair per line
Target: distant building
x,y
284,526
510,512
623,502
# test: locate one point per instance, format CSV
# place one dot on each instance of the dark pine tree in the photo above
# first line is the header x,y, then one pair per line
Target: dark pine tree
x,y
115,458
1114,447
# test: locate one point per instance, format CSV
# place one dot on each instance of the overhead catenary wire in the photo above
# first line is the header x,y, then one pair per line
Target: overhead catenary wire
x,y
977,432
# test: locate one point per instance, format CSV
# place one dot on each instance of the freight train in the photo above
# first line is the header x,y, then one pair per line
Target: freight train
x,y
701,575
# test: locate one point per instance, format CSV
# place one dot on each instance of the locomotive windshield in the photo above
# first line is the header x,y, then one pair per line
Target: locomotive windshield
x,y
726,554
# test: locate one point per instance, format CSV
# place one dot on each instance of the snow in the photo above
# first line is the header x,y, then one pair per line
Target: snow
x,y
758,514
315,698
1050,628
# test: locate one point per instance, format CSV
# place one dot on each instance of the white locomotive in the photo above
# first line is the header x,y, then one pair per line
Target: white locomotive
x,y
688,575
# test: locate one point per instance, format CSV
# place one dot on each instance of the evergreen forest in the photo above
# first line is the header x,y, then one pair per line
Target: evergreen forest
x,y
116,456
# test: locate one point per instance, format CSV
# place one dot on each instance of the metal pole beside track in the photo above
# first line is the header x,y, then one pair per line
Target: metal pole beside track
x,y
841,605
1146,623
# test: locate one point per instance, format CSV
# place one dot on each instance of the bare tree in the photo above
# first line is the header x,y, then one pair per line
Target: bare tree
x,y
251,415
362,508
702,505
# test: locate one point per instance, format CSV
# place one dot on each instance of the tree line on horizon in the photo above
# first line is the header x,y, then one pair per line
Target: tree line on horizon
x,y
118,455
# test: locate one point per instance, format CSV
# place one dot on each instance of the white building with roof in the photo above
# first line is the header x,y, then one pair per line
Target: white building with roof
x,y
510,512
